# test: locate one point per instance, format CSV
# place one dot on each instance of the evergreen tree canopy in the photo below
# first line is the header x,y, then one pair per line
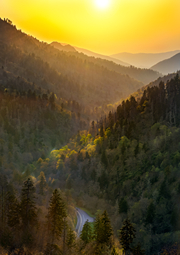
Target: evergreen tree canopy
x,y
86,234
126,235
28,207
56,216
103,230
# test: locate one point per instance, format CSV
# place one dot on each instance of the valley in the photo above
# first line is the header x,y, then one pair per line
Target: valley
x,y
81,130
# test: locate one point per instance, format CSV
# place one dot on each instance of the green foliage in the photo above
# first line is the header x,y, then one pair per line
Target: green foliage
x,y
150,215
102,229
86,233
123,206
70,239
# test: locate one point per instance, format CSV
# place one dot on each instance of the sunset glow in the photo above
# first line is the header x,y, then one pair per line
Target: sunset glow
x,y
102,3
102,26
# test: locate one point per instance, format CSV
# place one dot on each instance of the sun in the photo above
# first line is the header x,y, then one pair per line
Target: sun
x,y
102,4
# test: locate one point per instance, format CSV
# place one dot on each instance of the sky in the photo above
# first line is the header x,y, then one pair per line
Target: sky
x,y
102,26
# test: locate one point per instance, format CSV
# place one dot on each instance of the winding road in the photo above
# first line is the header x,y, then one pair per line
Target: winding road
x,y
82,217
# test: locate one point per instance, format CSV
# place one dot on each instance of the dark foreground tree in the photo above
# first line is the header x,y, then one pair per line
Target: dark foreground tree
x,y
126,236
42,183
103,230
56,219
28,211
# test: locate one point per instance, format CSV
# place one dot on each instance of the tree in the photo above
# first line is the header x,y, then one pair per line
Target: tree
x,y
56,216
104,158
137,250
123,206
86,234
126,235
70,239
42,183
150,214
28,210
103,230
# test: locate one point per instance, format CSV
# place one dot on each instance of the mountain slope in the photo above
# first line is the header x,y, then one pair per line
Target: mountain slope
x,y
168,65
139,93
65,73
144,60
128,163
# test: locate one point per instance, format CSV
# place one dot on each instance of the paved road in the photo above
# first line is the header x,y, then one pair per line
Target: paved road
x,y
82,217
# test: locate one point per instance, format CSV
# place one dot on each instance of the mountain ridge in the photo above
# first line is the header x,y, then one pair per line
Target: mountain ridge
x,y
169,65
144,60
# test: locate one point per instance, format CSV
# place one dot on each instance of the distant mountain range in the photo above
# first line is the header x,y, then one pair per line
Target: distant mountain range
x,y
67,47
144,60
169,65
96,55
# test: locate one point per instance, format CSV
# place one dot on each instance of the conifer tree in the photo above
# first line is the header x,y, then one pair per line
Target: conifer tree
x,y
28,210
70,239
126,235
42,183
123,206
86,234
13,213
103,230
56,216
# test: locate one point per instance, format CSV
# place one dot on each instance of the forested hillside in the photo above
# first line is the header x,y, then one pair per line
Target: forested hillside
x,y
128,164
89,81
139,93
123,167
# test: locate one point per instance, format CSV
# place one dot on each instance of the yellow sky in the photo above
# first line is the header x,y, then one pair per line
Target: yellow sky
x,y
125,25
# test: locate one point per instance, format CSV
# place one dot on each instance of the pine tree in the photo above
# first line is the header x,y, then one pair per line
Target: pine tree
x,y
70,239
123,206
42,183
86,234
56,216
150,214
28,211
13,212
126,235
103,230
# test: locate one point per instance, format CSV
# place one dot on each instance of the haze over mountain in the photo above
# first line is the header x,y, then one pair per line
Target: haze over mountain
x,y
144,60
72,76
169,65
143,75
97,55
